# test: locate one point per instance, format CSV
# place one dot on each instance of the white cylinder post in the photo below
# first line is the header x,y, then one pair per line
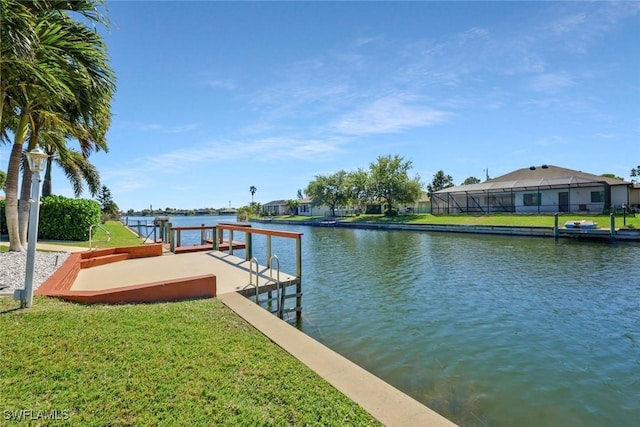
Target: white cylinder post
x,y
37,162
34,213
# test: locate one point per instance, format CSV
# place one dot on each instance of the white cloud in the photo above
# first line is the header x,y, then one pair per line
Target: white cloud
x,y
551,140
551,82
389,114
161,128
226,84
567,24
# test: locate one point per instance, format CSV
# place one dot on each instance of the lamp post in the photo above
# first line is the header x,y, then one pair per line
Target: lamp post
x,y
37,162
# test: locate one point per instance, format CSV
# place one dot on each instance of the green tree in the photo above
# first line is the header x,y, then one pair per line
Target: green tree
x,y
76,168
358,187
3,178
613,176
55,74
329,190
440,182
104,197
635,174
108,207
390,182
471,180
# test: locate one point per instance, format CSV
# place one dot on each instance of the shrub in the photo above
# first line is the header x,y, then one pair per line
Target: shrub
x,y
62,218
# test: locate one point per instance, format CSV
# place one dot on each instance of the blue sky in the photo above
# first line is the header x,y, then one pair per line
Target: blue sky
x,y
214,97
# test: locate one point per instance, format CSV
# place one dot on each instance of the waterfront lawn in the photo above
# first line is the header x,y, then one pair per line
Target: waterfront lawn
x,y
522,220
120,236
181,363
296,218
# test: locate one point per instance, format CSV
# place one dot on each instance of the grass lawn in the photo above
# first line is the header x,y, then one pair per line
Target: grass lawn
x,y
497,219
181,363
120,236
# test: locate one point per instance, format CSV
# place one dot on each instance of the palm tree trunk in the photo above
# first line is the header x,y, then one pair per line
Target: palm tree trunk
x,y
11,190
24,205
46,184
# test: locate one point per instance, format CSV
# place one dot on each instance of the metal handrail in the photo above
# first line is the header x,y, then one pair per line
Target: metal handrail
x,y
279,296
254,259
91,235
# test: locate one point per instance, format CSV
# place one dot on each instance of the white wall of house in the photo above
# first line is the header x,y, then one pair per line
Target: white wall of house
x,y
634,196
619,196
581,199
308,210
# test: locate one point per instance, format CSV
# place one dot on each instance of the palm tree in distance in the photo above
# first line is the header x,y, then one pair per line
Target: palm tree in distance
x,y
252,190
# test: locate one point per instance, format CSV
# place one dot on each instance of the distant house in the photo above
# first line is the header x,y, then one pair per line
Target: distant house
x,y
543,189
275,208
422,205
229,211
307,209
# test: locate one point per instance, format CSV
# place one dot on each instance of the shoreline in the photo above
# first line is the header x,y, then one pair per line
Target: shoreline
x,y
628,235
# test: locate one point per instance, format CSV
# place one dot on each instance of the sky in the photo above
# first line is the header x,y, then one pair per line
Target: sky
x,y
215,97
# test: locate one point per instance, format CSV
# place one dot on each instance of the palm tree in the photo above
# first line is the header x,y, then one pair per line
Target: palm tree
x,y
71,58
76,168
292,206
252,190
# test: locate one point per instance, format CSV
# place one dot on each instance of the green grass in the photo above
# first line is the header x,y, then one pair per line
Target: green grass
x,y
496,219
182,363
120,236
295,218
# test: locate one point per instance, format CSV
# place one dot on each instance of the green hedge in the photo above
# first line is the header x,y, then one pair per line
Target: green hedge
x,y
62,218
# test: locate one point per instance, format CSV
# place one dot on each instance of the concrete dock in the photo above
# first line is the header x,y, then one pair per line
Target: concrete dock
x,y
232,273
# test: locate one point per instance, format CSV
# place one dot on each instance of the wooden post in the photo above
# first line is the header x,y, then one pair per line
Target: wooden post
x,y
556,232
299,281
269,250
172,245
612,231
230,242
178,237
202,234
248,246
214,237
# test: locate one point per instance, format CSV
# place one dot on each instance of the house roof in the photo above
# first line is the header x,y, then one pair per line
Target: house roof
x,y
536,177
276,203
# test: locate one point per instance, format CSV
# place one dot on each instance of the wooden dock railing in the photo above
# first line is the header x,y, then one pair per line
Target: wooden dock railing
x,y
249,231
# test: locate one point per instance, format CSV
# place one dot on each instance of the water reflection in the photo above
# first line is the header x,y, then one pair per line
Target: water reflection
x,y
487,330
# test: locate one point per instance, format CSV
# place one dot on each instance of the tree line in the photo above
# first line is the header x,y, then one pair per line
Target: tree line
x,y
386,181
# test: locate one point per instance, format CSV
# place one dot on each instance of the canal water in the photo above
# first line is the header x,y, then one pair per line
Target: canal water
x,y
486,330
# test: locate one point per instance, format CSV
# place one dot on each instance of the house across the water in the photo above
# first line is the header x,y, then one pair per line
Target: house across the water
x,y
541,189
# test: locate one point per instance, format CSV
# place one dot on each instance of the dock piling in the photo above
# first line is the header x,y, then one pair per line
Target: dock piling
x,y
612,221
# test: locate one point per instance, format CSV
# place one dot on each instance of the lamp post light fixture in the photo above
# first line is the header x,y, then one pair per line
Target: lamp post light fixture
x,y
37,162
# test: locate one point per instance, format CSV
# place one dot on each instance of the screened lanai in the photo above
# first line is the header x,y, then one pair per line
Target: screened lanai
x,y
544,189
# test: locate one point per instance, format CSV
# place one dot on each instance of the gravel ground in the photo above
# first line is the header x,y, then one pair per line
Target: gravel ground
x,y
14,264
